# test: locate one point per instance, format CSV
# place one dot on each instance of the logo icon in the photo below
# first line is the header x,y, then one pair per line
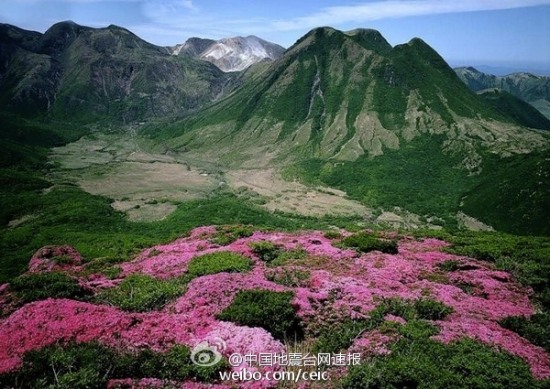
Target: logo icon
x,y
208,353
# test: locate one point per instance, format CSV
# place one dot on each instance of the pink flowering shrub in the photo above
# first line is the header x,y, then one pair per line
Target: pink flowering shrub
x,y
340,285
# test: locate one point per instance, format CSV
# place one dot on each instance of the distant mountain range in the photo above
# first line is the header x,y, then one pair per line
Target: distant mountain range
x,y
531,88
230,54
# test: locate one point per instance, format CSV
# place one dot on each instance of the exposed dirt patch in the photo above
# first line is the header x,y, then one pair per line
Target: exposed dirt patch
x,y
23,219
294,197
145,185
471,223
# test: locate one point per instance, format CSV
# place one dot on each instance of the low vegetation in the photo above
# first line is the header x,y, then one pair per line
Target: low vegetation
x,y
40,286
364,242
217,262
228,234
424,363
258,308
92,365
142,293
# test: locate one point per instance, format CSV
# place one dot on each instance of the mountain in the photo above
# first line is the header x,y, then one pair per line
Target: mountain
x,y
77,73
391,126
508,104
343,95
531,88
230,54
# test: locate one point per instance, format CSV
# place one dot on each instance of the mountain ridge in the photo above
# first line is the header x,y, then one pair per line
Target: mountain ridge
x,y
531,88
85,74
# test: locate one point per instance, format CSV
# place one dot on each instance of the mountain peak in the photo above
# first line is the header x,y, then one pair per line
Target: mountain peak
x,y
60,35
370,39
230,54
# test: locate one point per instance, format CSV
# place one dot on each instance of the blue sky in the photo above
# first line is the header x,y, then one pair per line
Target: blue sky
x,y
509,33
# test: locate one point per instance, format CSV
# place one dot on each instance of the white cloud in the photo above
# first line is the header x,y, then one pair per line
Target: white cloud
x,y
397,9
188,4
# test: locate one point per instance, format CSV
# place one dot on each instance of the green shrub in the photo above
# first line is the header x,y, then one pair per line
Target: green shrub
x,y
274,254
141,293
424,363
536,329
336,337
288,277
332,235
449,265
218,262
364,242
91,365
286,255
340,336
426,309
40,286
431,310
175,364
75,366
228,234
270,310
265,250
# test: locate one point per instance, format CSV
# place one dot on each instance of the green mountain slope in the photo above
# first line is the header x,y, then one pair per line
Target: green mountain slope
x,y
392,126
512,106
77,73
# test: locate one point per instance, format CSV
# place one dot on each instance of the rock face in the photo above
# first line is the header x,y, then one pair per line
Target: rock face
x,y
231,54
83,74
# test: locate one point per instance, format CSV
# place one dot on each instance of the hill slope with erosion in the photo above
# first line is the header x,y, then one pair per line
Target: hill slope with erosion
x,y
337,103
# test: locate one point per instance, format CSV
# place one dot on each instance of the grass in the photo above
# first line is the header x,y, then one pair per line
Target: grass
x,y
424,363
365,243
40,286
141,293
70,216
91,365
258,308
221,261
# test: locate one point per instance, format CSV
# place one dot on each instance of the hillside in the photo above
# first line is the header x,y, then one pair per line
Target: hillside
x,y
531,88
179,312
509,105
82,74
350,111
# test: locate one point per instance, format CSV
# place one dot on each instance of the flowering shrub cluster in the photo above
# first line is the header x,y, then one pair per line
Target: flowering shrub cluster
x,y
328,285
